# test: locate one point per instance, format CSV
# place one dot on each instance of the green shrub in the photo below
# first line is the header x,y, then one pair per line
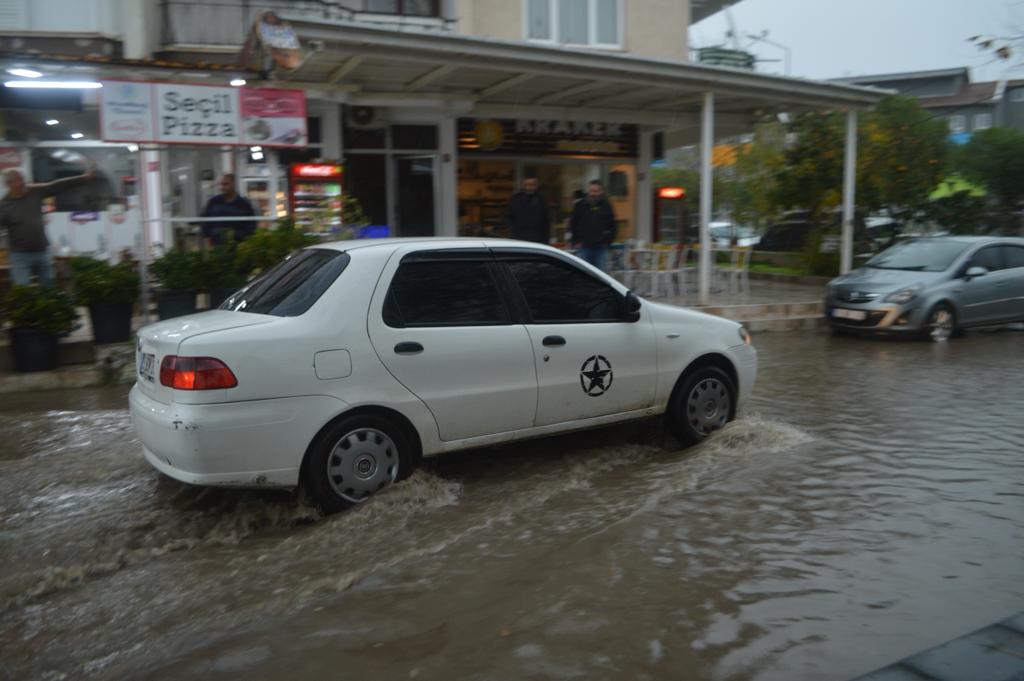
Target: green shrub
x,y
267,247
97,281
179,271
41,308
219,268
816,263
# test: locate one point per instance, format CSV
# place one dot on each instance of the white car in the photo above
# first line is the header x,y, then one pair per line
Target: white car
x,y
348,362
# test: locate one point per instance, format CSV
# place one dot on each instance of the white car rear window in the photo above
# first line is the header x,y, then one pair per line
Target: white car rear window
x,y
292,286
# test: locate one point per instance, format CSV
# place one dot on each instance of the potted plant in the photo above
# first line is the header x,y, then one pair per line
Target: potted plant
x,y
178,275
267,247
110,292
39,316
220,274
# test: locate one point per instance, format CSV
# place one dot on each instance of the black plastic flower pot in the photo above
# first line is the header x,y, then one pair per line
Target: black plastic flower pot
x,y
33,350
175,304
111,322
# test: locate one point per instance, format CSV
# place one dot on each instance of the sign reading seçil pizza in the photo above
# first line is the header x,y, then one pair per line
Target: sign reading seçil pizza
x,y
180,113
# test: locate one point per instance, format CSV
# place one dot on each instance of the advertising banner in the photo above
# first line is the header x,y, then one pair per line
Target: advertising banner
x,y
126,111
273,117
10,157
185,113
548,137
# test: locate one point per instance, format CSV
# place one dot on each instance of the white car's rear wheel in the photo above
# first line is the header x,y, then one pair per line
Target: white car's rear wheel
x,y
702,403
354,459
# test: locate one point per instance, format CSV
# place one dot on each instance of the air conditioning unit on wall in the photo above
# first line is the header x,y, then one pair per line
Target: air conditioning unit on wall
x,y
363,117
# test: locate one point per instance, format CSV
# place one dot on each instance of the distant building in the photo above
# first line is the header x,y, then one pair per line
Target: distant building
x,y
949,93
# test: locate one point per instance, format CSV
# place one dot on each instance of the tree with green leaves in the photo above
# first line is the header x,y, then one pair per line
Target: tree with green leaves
x,y
757,170
811,173
902,155
995,159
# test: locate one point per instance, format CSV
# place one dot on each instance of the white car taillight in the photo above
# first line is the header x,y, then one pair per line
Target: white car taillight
x,y
196,373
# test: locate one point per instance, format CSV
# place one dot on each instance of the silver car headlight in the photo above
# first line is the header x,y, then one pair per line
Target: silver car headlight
x,y
904,295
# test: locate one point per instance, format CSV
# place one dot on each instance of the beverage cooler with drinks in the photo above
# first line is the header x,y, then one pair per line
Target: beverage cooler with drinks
x,y
315,197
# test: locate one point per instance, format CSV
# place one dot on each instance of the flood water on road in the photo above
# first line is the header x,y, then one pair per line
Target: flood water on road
x,y
868,503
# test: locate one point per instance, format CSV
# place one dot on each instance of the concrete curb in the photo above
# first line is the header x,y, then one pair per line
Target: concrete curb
x,y
64,378
805,280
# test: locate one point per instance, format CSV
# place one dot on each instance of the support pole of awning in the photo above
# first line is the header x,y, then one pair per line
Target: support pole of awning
x,y
707,134
849,191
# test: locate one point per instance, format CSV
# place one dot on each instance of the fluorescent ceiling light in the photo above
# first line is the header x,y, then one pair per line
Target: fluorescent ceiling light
x,y
24,73
238,82
255,148
54,84
77,135
52,121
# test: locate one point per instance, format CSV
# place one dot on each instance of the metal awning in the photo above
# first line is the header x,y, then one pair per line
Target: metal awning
x,y
360,64
471,76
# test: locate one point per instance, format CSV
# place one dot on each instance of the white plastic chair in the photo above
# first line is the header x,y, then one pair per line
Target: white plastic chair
x,y
620,263
666,269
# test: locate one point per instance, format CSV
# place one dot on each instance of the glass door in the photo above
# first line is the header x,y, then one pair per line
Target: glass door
x,y
415,204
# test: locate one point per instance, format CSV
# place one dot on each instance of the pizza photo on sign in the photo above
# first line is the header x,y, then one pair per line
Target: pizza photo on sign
x,y
274,116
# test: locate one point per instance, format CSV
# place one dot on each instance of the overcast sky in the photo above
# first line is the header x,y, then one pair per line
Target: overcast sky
x,y
835,38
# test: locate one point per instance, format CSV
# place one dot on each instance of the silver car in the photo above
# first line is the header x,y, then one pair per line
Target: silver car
x,y
932,287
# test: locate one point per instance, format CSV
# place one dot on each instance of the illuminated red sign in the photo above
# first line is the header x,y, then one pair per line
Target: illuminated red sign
x,y
316,170
10,157
671,192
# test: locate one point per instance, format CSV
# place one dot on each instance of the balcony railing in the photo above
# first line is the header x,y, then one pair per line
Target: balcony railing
x,y
227,22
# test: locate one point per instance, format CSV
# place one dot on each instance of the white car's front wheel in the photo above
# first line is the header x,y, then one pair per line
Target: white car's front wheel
x,y
702,403
355,458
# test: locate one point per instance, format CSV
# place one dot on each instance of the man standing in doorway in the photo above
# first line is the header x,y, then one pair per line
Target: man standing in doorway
x,y
528,218
21,213
593,225
228,204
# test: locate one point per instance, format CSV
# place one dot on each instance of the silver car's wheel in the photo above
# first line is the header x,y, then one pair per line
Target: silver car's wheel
x,y
363,461
941,324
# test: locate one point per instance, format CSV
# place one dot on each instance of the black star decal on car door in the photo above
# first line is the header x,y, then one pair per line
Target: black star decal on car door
x,y
596,375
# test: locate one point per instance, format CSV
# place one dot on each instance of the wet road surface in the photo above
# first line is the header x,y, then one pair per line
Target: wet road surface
x,y
868,503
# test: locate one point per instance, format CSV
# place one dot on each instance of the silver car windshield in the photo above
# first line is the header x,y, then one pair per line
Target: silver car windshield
x,y
926,255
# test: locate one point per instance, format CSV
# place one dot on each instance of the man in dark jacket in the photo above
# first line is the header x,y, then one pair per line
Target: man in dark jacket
x,y
528,217
593,225
21,213
228,204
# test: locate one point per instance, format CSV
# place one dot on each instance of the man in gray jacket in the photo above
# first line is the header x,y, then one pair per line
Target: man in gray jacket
x,y
21,214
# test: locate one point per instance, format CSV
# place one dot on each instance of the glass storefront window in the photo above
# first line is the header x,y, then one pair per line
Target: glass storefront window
x,y
485,188
115,180
366,180
414,137
365,138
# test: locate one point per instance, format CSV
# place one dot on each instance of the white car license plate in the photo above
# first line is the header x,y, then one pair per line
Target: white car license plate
x,y
146,362
855,315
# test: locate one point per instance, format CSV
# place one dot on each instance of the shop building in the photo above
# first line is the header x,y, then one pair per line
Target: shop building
x,y
436,109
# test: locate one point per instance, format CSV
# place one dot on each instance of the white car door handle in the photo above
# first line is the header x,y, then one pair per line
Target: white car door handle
x,y
408,348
